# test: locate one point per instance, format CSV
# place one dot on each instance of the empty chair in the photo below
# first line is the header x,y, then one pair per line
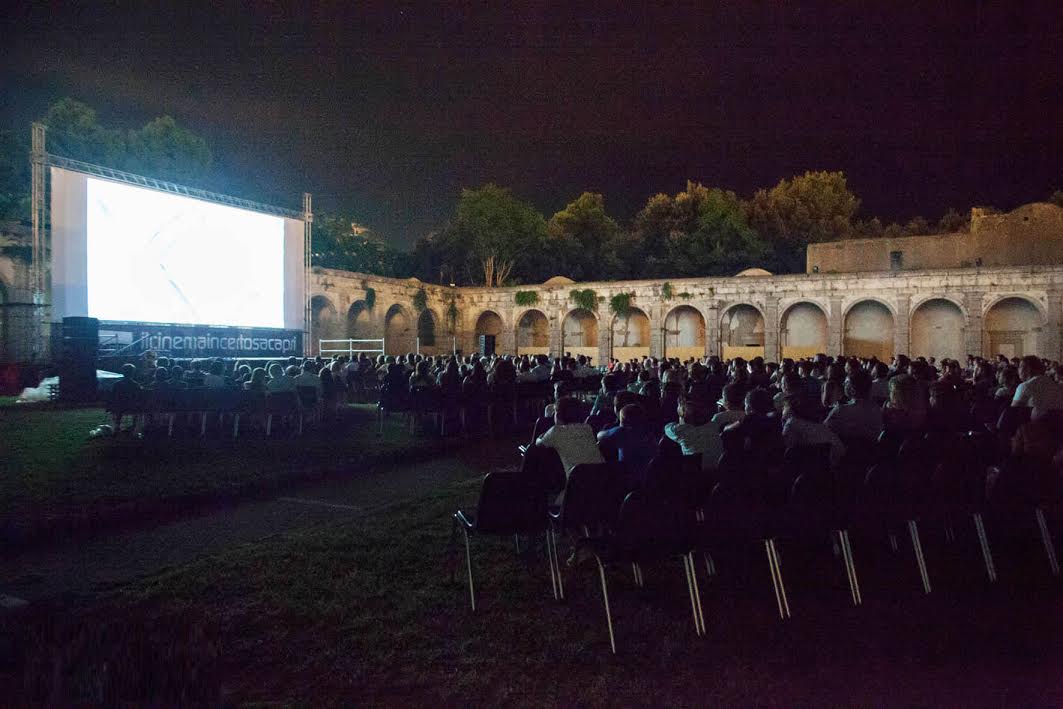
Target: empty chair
x,y
509,505
648,529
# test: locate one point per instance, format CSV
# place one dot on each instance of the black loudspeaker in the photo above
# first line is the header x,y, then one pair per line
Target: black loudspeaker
x,y
77,367
487,345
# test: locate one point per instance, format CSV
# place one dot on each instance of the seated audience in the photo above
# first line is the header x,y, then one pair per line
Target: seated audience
x,y
573,439
860,418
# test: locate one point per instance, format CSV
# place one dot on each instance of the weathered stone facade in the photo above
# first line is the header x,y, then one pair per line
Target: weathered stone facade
x,y
938,313
1029,235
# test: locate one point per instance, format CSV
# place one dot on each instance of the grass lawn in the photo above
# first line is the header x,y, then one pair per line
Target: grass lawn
x,y
365,612
54,476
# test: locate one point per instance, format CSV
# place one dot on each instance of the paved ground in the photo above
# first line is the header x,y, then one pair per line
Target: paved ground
x,y
81,566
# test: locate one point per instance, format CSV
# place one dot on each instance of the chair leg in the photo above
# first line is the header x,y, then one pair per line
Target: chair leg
x,y
468,564
893,543
605,598
203,424
710,564
269,424
169,428
236,425
695,593
551,560
557,565
850,565
1046,539
776,579
913,532
983,541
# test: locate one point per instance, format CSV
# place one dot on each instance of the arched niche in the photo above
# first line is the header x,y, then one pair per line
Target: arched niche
x,y
579,332
937,328
684,333
1013,328
631,335
533,333
426,332
399,331
804,331
359,325
868,331
324,323
742,332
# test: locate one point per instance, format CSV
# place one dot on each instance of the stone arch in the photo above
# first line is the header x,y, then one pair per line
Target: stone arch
x,y
1013,326
937,328
579,333
742,331
867,329
399,330
359,321
684,333
533,332
631,335
324,322
428,333
804,330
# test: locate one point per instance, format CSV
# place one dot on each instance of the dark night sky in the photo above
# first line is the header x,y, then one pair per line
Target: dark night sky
x,y
390,109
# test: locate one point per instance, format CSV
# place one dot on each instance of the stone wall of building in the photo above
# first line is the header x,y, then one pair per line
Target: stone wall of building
x,y
1029,235
940,313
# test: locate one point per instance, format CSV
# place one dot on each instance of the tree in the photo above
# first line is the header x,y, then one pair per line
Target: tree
x,y
579,234
501,236
952,221
14,177
1057,198
341,243
809,208
166,150
917,226
74,132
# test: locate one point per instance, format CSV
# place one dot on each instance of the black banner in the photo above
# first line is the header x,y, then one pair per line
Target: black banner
x,y
191,341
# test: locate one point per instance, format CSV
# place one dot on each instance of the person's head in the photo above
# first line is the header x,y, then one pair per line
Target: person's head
x,y
567,411
633,416
858,385
129,371
790,383
832,392
324,374
292,370
904,393
1030,366
177,373
759,402
217,368
258,375
801,405
162,374
1008,377
562,389
944,397
276,371
881,370
694,412
732,397
624,398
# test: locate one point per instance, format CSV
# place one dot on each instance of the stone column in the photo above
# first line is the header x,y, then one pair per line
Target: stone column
x,y
712,328
975,333
771,329
656,316
900,324
836,326
555,332
507,339
1051,340
605,337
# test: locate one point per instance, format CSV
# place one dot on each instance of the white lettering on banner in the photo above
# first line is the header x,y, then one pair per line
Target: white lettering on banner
x,y
189,345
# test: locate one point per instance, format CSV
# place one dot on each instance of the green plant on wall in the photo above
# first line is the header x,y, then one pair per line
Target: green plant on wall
x,y
420,300
586,299
620,305
667,292
686,295
370,297
526,297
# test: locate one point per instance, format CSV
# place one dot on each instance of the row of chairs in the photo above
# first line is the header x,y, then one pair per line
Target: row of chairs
x,y
206,403
675,514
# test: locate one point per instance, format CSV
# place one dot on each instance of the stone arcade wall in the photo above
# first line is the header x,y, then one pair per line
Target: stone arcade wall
x,y
936,313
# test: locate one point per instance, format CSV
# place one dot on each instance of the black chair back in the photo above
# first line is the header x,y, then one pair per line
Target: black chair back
x,y
650,523
542,468
591,497
510,505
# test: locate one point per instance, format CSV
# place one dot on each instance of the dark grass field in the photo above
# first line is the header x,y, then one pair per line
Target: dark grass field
x,y
54,478
373,611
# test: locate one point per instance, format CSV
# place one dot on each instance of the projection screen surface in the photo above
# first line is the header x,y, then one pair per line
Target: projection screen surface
x,y
126,253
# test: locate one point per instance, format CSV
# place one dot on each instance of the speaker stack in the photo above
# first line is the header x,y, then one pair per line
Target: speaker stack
x,y
487,345
77,371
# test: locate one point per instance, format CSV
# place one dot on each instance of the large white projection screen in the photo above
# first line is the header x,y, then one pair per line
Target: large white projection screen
x,y
126,253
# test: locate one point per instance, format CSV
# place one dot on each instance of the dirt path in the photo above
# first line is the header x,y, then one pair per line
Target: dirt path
x,y
97,563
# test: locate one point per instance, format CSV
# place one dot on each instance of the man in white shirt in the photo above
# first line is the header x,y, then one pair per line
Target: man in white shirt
x,y
573,440
541,371
1038,391
307,378
278,381
862,418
